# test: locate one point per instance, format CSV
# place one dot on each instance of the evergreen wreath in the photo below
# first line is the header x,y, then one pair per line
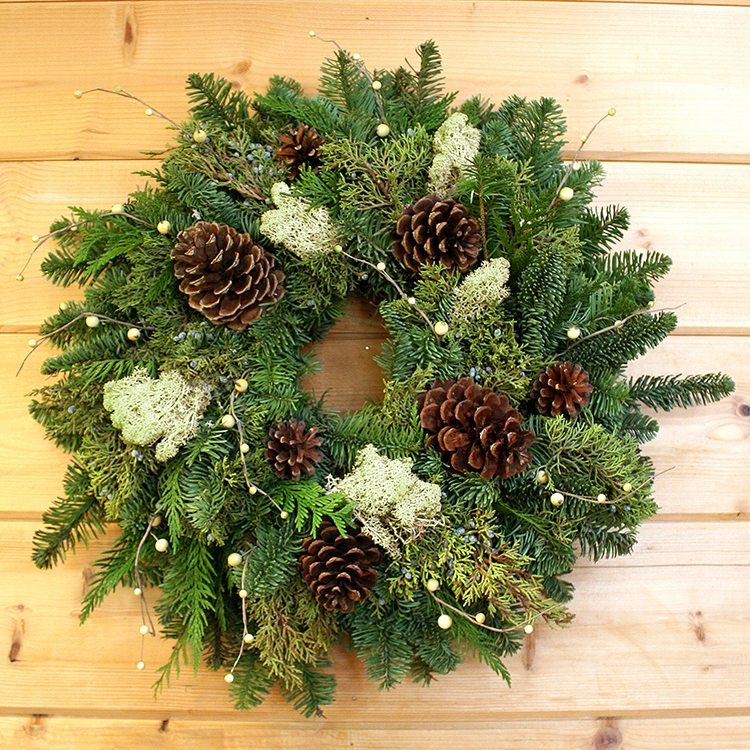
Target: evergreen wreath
x,y
435,524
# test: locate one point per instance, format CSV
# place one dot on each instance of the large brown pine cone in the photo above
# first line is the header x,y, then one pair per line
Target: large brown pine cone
x,y
437,230
298,146
225,274
293,450
339,569
475,428
562,388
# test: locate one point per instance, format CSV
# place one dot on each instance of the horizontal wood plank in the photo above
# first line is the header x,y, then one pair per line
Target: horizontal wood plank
x,y
709,733
709,246
708,446
675,72
649,639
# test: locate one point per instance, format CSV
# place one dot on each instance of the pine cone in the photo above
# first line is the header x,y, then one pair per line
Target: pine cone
x,y
299,146
225,274
339,569
475,428
293,450
437,230
562,388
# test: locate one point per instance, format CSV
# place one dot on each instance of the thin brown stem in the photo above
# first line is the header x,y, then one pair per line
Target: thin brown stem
x,y
72,227
244,618
80,316
616,326
569,169
133,97
621,498
473,619
251,487
394,284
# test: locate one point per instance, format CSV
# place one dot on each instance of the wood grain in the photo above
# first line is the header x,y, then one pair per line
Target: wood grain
x,y
709,733
676,73
683,625
658,656
709,246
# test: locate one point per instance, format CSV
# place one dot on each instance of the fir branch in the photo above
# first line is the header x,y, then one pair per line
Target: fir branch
x,y
666,392
74,519
217,103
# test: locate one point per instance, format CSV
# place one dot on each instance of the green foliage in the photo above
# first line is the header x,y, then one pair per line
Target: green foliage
x,y
498,547
218,103
668,391
272,560
419,91
75,519
187,598
309,504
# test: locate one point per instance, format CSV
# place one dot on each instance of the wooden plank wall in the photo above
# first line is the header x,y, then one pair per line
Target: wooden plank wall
x,y
659,653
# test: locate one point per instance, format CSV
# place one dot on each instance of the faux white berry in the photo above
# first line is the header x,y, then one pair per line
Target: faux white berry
x,y
433,584
444,622
557,499
163,227
134,334
573,332
566,193
92,321
228,421
200,136
234,559
161,545
480,617
382,130
240,385
441,328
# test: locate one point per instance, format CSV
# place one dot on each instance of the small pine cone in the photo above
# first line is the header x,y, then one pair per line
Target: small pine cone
x,y
339,569
437,230
293,450
226,276
562,388
300,145
475,428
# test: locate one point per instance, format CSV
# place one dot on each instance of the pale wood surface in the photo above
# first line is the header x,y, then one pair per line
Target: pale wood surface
x,y
713,733
647,614
677,74
659,653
